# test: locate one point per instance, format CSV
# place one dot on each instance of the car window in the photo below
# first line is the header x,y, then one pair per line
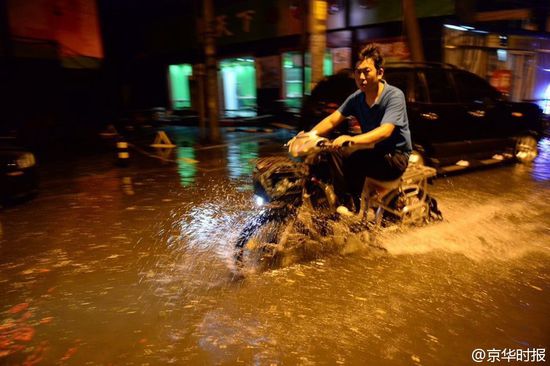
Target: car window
x,y
473,89
420,91
401,79
440,87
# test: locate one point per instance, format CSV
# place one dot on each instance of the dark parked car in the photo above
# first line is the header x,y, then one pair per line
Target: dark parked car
x,y
18,174
457,118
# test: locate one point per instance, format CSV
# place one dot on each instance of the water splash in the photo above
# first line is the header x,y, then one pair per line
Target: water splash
x,y
192,249
480,233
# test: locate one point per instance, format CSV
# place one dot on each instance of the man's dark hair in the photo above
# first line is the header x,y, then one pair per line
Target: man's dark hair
x,y
371,50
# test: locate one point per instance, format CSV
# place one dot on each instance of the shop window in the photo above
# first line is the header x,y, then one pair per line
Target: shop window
x,y
178,76
292,76
238,77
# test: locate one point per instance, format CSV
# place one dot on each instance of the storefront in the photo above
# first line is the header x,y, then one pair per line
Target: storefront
x,y
237,84
516,64
268,68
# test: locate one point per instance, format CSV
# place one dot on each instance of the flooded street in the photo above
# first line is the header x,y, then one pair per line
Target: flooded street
x,y
132,266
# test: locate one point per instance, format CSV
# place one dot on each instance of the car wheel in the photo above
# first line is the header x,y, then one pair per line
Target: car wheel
x,y
416,158
526,149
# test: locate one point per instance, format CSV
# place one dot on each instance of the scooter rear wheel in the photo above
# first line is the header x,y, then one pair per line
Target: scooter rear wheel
x,y
399,203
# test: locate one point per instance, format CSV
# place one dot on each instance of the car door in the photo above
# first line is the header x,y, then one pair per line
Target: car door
x,y
402,78
480,106
434,110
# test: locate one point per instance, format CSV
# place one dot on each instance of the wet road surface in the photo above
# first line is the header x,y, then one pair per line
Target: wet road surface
x,y
131,266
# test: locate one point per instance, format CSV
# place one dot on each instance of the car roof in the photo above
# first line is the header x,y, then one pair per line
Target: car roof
x,y
416,64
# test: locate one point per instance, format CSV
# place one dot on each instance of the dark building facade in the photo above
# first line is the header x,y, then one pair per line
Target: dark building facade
x,y
262,47
88,62
51,69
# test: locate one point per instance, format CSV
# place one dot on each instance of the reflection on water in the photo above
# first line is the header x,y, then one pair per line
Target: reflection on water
x,y
127,186
185,140
541,165
240,156
187,165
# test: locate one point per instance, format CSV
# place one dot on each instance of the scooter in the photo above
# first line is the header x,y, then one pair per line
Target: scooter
x,y
295,196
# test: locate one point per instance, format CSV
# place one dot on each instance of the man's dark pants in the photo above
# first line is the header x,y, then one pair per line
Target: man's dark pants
x,y
349,172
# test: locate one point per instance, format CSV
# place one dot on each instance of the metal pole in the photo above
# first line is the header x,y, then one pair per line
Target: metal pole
x,y
199,75
211,73
304,41
413,31
318,40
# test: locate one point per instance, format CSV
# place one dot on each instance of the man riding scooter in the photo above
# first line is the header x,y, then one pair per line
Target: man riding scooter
x,y
381,112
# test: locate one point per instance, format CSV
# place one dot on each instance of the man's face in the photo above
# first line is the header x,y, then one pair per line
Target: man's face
x,y
366,74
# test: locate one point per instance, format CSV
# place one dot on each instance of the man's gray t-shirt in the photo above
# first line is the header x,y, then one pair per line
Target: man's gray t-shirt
x,y
390,108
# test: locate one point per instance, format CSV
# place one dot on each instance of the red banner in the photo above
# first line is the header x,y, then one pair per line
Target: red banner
x,y
73,24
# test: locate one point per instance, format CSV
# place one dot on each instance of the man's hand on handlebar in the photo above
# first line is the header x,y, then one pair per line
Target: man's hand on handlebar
x,y
301,134
343,140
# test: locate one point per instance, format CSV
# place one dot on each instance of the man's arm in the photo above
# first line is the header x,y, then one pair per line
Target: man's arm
x,y
369,138
378,134
328,123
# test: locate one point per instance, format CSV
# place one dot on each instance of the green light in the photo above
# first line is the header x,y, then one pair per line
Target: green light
x,y
287,61
327,64
179,85
292,72
239,78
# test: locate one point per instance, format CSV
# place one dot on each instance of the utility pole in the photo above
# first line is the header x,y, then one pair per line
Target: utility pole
x,y
211,72
304,18
199,102
318,38
413,31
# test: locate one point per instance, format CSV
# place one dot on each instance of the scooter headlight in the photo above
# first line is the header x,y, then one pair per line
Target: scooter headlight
x,y
259,200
